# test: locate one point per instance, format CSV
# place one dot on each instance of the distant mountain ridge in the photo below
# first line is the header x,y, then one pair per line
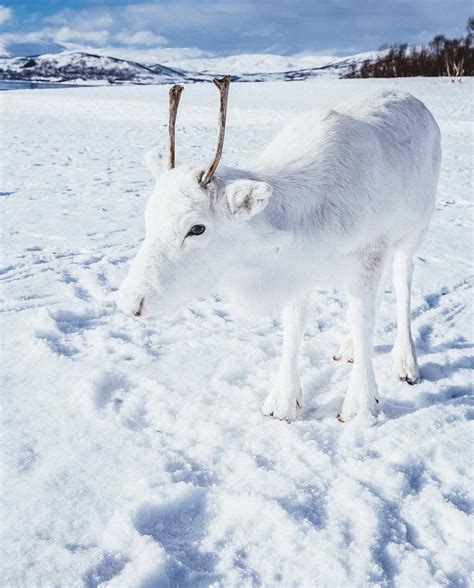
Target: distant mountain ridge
x,y
85,67
82,67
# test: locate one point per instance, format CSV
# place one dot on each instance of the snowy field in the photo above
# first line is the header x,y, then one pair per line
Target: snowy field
x,y
135,455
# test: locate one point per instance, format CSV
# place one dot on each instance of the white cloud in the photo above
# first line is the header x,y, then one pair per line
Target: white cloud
x,y
62,35
65,34
83,18
22,37
102,37
144,38
163,55
100,26
5,14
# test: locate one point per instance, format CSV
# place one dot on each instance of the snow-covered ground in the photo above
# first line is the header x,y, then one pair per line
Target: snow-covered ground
x,y
135,455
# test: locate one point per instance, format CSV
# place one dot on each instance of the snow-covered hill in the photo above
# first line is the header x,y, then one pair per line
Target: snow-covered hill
x,y
84,67
80,67
252,63
263,63
135,455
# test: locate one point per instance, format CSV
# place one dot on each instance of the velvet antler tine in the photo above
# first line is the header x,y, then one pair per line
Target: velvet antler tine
x,y
175,95
223,86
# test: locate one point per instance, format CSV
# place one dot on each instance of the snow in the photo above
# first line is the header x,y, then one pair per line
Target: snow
x,y
252,63
136,454
260,63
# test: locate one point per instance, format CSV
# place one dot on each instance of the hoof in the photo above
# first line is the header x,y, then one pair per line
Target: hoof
x,y
282,409
349,412
409,381
283,402
404,363
345,351
284,419
339,357
285,413
281,419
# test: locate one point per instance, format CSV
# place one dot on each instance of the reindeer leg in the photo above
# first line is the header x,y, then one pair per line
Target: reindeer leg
x,y
361,396
286,396
346,350
403,353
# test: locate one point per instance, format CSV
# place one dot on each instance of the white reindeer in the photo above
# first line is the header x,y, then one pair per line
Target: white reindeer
x,y
332,201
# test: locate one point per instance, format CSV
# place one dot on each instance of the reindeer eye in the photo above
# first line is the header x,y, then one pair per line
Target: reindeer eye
x,y
196,230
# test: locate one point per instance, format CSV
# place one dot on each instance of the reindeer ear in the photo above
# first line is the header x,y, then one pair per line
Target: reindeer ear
x,y
245,198
155,162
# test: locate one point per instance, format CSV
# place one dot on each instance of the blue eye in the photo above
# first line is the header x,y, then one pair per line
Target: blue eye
x,y
196,230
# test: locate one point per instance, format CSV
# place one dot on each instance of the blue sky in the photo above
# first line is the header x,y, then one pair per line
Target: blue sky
x,y
235,26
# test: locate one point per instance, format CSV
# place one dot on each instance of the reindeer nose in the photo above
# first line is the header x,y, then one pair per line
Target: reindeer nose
x,y
139,310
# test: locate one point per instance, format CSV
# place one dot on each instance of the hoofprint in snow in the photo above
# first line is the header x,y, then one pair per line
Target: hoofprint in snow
x,y
136,454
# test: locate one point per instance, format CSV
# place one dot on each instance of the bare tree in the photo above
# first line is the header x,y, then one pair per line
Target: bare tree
x,y
453,58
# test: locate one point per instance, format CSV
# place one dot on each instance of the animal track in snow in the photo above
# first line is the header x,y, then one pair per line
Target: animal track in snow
x,y
184,469
57,343
179,526
27,457
65,330
110,388
109,566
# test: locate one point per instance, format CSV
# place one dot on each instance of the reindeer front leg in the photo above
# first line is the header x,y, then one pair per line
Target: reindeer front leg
x,y
286,396
361,396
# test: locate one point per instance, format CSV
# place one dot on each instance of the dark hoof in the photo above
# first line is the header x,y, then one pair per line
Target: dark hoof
x,y
408,380
336,358
350,360
377,400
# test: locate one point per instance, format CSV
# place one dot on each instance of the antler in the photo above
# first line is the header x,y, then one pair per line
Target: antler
x,y
223,86
175,95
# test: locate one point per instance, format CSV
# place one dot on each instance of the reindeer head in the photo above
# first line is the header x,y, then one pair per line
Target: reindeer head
x,y
194,226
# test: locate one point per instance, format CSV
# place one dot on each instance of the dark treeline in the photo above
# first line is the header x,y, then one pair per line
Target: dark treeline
x,y
441,57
